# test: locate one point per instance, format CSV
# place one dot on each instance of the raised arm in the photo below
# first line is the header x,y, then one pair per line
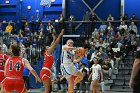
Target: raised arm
x,y
53,46
28,66
136,67
54,39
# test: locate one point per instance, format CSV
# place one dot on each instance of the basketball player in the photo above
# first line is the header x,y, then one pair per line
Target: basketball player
x,y
46,73
3,58
13,72
96,73
135,75
68,68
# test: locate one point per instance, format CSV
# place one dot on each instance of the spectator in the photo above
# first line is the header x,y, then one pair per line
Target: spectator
x,y
24,20
83,85
123,27
32,25
50,28
110,26
133,28
37,19
107,68
71,25
83,66
45,18
61,81
134,44
109,51
4,47
27,30
71,18
61,18
125,18
41,28
103,27
86,16
110,18
9,28
93,17
117,59
28,42
134,19
1,28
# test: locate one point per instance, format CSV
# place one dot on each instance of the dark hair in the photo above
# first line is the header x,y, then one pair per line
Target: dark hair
x,y
15,49
84,70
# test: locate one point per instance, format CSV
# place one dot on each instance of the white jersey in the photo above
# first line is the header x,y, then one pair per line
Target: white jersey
x,y
67,57
67,67
95,71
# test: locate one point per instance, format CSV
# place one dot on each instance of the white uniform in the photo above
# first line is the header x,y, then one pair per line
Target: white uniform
x,y
67,66
95,71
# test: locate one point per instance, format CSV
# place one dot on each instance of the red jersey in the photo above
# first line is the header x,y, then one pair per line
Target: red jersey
x,y
14,67
48,62
3,59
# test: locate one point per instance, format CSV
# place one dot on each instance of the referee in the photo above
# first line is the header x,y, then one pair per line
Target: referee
x,y
135,75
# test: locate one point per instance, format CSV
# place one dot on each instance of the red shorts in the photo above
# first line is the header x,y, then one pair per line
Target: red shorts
x,y
1,76
45,74
14,85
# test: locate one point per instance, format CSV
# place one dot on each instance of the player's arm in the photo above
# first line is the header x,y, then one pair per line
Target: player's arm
x,y
90,76
75,60
26,63
53,46
5,67
54,39
101,73
135,69
65,47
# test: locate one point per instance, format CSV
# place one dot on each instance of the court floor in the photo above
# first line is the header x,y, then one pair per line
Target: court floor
x,y
40,91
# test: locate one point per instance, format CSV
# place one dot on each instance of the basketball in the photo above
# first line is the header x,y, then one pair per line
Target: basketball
x,y
80,51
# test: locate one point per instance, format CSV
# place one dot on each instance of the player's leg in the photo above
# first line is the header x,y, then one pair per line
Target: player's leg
x,y
70,85
78,78
46,79
95,82
24,90
47,85
1,78
3,90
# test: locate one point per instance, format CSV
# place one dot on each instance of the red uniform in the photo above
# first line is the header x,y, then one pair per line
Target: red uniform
x,y
45,73
3,59
14,79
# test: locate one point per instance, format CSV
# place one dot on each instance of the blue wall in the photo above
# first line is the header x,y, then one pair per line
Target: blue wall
x,y
77,8
132,6
20,9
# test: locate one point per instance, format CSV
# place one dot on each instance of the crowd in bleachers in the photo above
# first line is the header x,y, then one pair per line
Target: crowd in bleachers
x,y
109,43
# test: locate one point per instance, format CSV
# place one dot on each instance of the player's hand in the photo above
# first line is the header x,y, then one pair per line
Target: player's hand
x,y
131,84
62,32
38,80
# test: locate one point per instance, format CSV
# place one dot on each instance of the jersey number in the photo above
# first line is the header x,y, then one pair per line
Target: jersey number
x,y
16,66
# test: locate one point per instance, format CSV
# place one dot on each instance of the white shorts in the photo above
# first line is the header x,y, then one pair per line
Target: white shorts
x,y
69,70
